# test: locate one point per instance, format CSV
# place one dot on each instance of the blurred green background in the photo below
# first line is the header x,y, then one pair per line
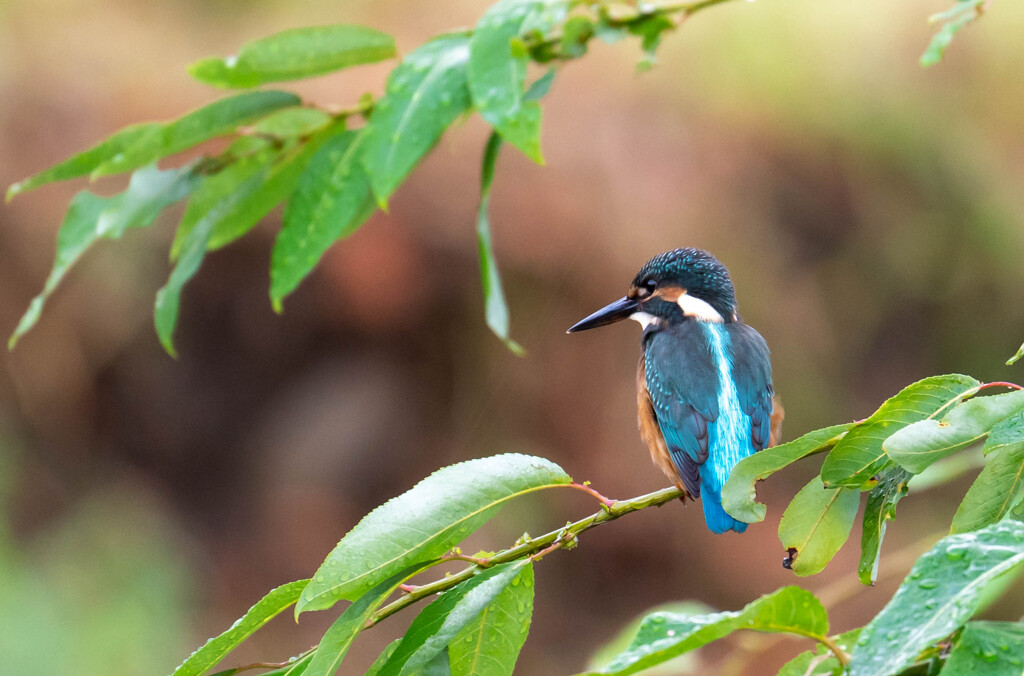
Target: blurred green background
x,y
870,212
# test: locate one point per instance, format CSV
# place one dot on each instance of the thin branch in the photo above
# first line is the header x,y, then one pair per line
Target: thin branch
x,y
540,545
840,654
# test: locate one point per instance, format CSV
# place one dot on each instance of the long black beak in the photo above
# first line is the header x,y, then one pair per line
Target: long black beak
x,y
609,314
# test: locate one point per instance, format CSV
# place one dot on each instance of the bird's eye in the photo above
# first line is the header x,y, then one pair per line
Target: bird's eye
x,y
647,287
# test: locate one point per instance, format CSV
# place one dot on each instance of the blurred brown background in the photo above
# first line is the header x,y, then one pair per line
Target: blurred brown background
x,y
870,212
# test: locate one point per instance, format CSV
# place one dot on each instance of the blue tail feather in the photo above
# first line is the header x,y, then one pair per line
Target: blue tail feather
x,y
715,515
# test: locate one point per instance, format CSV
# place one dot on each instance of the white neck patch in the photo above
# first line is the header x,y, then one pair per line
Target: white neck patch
x,y
698,309
644,319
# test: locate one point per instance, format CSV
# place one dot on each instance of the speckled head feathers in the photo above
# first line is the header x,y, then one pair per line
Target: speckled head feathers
x,y
701,274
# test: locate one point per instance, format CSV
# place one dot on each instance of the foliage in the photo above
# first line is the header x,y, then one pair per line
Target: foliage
x,y
332,173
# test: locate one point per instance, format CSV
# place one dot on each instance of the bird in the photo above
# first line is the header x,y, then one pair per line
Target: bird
x,y
705,398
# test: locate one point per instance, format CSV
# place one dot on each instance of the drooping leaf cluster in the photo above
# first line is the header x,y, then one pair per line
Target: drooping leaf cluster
x,y
330,171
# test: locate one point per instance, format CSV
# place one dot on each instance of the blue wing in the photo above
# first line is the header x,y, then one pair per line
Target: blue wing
x,y
681,381
683,378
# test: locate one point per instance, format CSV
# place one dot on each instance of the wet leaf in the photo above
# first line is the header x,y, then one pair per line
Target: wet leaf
x,y
943,590
424,95
858,457
214,650
664,636
212,120
332,200
993,495
819,662
490,644
295,54
817,523
90,218
989,648
425,522
918,445
880,507
445,619
739,495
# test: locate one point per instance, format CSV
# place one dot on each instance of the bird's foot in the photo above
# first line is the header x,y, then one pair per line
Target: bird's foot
x,y
685,495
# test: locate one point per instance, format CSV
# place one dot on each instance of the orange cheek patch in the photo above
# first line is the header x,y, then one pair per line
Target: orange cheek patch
x,y
669,293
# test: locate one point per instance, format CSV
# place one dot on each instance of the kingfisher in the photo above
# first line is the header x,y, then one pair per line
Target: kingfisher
x,y
704,383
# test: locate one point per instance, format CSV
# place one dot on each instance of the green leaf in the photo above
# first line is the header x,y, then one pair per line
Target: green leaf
x,y
816,524
295,54
820,661
91,217
880,507
245,192
424,95
425,522
214,650
215,119
490,644
85,162
919,445
497,69
996,491
292,122
650,30
193,249
382,659
949,469
990,648
858,457
684,664
443,620
1009,362
295,667
663,636
955,18
739,495
1008,432
332,200
340,636
943,590
576,33
495,306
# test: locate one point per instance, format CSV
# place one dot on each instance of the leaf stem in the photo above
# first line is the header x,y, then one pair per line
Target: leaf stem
x,y
539,545
829,642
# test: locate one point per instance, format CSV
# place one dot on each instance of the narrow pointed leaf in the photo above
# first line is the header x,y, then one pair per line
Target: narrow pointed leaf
x,y
339,637
820,661
993,495
193,250
217,647
215,119
858,457
295,121
739,495
383,658
496,308
1009,362
816,524
683,664
490,644
664,636
444,619
240,204
989,648
295,54
332,200
919,445
1008,432
880,507
91,217
86,161
424,95
497,69
944,588
425,522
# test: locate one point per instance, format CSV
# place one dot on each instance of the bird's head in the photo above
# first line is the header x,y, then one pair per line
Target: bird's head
x,y
670,288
